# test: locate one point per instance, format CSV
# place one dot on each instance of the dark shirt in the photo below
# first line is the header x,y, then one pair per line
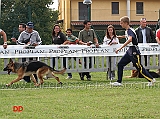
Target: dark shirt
x,y
133,49
87,36
131,32
59,39
150,38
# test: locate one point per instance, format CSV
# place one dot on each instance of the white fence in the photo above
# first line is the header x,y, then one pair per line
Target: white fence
x,y
102,59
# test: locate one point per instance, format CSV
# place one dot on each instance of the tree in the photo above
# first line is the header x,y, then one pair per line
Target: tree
x,y
37,11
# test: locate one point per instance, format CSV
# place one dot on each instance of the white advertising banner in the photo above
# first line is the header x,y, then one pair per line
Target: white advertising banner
x,y
19,51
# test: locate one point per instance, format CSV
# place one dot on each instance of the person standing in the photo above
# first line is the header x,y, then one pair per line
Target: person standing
x,y
87,36
21,28
29,37
158,36
58,38
131,55
144,35
4,38
71,40
111,39
158,41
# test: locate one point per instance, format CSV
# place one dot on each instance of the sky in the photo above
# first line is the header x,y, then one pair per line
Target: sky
x,y
55,5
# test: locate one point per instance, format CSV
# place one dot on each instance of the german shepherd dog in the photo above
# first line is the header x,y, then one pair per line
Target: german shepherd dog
x,y
32,67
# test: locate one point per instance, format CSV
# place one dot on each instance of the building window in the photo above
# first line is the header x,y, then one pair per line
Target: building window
x,y
139,7
83,11
115,7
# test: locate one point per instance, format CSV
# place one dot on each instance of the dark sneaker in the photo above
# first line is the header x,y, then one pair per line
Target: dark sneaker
x,y
82,78
88,79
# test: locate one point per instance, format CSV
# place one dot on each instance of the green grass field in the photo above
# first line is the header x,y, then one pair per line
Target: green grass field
x,y
78,99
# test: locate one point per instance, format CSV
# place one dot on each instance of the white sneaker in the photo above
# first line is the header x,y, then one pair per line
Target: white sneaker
x,y
69,77
152,82
22,80
116,84
45,77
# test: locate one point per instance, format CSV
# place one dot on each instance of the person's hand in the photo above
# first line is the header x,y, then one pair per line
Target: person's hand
x,y
110,44
97,45
5,45
117,51
158,42
113,43
28,43
88,43
13,39
34,44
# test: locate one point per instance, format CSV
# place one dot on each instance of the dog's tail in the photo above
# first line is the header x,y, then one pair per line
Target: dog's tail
x,y
59,71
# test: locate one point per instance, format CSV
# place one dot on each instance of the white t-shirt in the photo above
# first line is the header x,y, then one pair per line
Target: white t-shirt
x,y
107,40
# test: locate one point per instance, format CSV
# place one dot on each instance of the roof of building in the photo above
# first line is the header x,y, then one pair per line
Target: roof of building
x,y
77,23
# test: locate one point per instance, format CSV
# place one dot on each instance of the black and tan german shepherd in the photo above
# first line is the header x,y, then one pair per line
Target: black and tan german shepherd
x,y
29,68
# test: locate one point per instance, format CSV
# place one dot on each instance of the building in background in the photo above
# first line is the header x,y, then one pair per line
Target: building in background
x,y
105,12
102,13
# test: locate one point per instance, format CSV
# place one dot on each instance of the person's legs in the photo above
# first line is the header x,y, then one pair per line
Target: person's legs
x,y
88,76
64,65
136,62
112,75
53,61
26,78
64,62
35,76
30,58
81,75
135,73
145,58
23,59
123,62
69,75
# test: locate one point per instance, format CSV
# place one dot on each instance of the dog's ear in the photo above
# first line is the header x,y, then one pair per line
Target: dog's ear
x,y
10,60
